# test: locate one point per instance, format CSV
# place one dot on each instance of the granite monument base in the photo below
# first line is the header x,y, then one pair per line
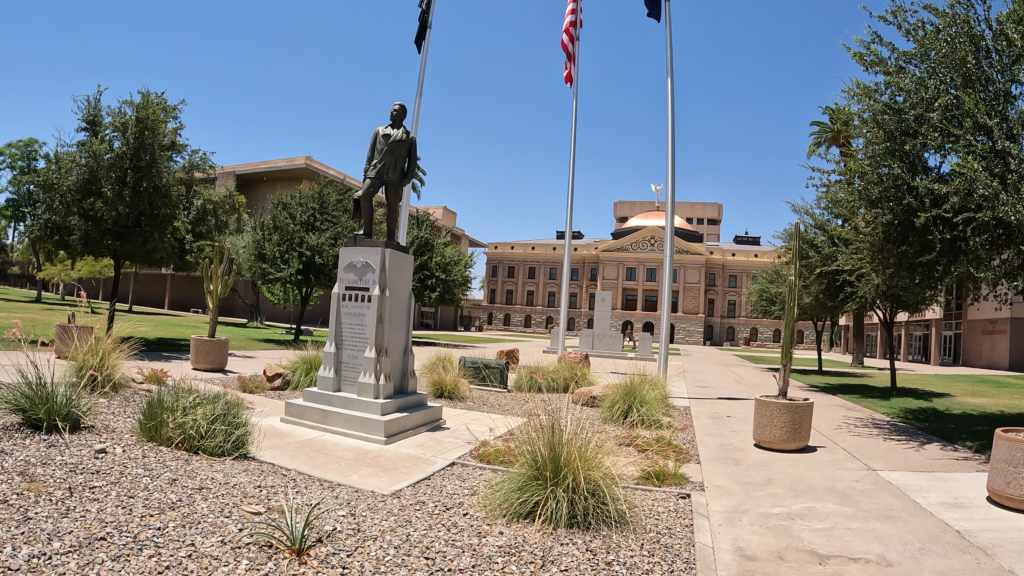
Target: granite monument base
x,y
366,388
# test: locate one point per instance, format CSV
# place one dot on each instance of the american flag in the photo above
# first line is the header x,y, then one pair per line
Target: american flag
x,y
572,8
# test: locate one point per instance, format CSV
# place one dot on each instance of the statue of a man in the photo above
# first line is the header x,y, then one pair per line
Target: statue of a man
x,y
390,164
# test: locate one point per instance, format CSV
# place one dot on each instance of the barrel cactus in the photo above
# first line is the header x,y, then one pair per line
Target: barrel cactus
x,y
218,277
789,318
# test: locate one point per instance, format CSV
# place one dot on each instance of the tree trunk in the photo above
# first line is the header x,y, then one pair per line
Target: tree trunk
x,y
39,266
858,339
61,288
253,306
888,325
214,315
833,325
115,282
303,302
131,289
818,334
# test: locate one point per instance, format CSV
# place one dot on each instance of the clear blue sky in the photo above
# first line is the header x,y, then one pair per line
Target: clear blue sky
x,y
267,80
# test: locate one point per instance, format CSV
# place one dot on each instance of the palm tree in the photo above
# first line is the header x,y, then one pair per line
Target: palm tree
x,y
418,182
838,131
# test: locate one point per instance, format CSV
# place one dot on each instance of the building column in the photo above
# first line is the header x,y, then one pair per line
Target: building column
x,y
703,297
600,276
167,293
882,346
520,296
905,342
935,347
641,273
622,278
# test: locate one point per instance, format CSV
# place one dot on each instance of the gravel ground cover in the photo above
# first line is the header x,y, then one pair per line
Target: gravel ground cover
x,y
626,458
231,383
143,509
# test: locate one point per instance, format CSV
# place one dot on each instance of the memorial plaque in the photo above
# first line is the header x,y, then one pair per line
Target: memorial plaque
x,y
357,314
645,343
603,311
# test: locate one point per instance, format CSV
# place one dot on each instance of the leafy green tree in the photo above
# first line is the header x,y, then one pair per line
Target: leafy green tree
x,y
442,272
135,169
20,163
60,270
295,243
244,252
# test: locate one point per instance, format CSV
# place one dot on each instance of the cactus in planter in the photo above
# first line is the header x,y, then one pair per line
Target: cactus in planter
x,y
71,318
217,282
789,318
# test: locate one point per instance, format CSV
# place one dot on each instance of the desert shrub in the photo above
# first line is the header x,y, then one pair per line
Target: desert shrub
x,y
251,385
154,376
639,401
44,401
443,377
559,378
101,363
188,418
304,365
662,473
561,477
296,534
659,446
498,452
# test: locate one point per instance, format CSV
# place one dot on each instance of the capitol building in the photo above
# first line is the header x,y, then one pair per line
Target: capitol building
x,y
709,279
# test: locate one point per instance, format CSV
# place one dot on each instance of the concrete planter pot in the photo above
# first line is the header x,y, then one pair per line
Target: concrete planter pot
x,y
1006,468
65,336
782,424
208,354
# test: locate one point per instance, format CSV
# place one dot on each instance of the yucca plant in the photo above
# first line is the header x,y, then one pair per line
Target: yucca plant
x,y
444,378
789,318
194,420
640,400
296,534
100,363
43,401
561,477
218,278
305,364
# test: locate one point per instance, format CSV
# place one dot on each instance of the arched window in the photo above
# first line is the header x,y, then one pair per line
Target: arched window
x,y
490,318
572,324
549,322
627,326
528,321
753,334
709,333
507,320
799,336
776,336
648,327
671,333
730,334
590,323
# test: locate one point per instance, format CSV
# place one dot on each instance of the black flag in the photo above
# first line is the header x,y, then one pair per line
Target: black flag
x,y
421,30
653,9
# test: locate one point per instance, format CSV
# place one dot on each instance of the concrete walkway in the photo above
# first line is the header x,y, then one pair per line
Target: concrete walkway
x,y
868,496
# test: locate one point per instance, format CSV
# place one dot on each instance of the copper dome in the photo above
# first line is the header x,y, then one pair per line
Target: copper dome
x,y
654,218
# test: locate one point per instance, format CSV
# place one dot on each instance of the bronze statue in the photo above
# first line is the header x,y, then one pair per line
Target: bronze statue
x,y
390,164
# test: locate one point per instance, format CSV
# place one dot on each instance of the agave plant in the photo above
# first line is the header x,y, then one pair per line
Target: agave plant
x,y
296,534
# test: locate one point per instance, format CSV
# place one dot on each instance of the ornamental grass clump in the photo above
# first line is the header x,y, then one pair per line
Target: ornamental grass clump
x,y
561,477
100,363
194,420
529,379
304,365
43,401
558,378
639,401
444,377
663,473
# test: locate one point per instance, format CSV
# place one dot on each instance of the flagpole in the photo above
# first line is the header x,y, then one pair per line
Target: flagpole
x,y
670,201
403,224
563,312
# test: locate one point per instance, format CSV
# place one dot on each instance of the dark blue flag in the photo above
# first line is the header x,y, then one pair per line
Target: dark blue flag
x,y
653,9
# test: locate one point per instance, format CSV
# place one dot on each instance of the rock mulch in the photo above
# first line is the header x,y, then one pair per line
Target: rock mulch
x,y
143,509
616,438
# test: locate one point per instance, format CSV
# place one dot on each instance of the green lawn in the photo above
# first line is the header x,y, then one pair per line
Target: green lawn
x,y
963,409
460,339
773,360
654,350
159,330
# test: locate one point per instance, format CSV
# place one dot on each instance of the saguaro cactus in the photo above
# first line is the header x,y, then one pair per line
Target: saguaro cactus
x,y
789,318
217,282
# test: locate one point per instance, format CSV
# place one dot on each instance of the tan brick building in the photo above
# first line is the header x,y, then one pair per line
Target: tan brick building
x,y
709,279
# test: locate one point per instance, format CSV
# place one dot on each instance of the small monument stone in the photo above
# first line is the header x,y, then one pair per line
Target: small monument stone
x,y
645,343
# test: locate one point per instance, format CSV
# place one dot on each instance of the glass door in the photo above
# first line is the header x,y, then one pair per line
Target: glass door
x,y
948,349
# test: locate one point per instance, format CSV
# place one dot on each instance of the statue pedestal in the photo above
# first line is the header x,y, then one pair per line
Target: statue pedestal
x,y
366,387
